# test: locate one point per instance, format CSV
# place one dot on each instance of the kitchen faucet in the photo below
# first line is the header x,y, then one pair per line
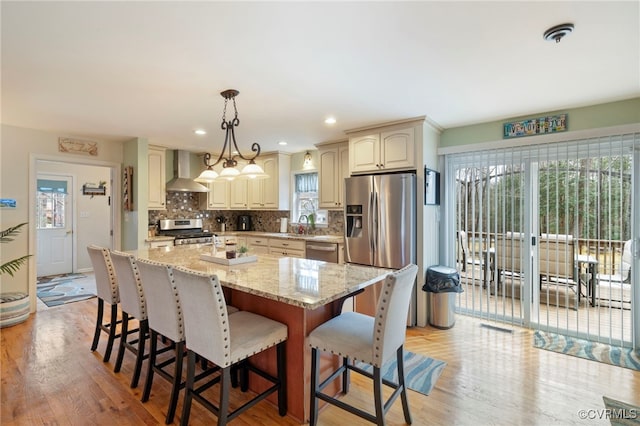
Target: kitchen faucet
x,y
304,230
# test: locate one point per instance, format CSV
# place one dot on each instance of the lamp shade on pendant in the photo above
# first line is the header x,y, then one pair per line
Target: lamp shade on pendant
x,y
229,173
207,175
253,171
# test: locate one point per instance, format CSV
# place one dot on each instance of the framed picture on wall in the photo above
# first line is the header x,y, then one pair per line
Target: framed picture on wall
x,y
431,187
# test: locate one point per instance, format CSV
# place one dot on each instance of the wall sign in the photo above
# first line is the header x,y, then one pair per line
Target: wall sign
x,y
77,146
535,126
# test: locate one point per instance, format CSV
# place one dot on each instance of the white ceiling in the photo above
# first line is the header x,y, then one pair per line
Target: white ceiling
x,y
118,70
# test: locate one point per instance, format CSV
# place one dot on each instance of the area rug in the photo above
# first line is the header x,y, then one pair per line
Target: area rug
x,y
420,372
601,352
620,413
57,290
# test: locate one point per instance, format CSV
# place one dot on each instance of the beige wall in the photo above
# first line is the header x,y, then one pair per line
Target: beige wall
x,y
19,150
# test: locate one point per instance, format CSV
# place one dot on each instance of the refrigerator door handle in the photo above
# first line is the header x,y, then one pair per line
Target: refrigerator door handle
x,y
371,222
376,228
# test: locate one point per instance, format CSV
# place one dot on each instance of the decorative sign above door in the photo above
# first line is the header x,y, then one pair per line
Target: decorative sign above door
x,y
536,126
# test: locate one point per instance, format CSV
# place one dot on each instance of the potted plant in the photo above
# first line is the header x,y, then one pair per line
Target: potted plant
x,y
13,265
242,251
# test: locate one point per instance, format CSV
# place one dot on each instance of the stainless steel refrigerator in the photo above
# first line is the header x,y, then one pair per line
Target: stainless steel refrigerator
x,y
380,222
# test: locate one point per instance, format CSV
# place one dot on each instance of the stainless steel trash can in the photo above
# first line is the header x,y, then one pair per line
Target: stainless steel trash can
x,y
442,310
442,284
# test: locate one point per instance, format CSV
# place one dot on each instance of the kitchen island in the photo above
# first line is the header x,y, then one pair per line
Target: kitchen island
x,y
300,293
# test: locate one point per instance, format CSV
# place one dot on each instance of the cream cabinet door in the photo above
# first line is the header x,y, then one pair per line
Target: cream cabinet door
x,y
157,179
270,189
397,149
264,193
328,191
218,195
343,172
364,153
334,167
238,194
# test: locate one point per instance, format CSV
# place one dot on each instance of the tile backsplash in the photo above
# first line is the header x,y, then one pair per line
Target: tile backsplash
x,y
186,205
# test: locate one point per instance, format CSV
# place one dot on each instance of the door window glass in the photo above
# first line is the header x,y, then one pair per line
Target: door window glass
x,y
50,205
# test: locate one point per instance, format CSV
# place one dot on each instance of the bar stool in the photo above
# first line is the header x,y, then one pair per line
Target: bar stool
x,y
227,341
355,336
133,306
107,289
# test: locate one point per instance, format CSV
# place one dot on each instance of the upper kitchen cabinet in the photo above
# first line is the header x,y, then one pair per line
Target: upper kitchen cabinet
x,y
157,178
384,150
238,198
218,197
271,193
333,161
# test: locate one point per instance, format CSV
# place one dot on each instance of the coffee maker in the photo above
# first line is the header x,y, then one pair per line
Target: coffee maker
x,y
244,223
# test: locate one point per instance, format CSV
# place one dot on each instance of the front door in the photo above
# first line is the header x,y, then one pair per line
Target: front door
x,y
54,216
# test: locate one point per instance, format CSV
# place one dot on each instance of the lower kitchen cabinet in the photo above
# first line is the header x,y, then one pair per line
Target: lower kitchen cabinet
x,y
286,247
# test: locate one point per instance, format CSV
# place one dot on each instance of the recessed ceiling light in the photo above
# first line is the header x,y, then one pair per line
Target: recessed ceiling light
x,y
200,132
330,120
283,143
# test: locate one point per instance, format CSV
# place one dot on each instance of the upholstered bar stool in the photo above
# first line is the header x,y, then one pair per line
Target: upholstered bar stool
x,y
165,319
226,340
133,306
107,289
357,337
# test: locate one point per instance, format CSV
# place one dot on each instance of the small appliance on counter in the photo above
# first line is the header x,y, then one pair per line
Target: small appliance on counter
x,y
244,223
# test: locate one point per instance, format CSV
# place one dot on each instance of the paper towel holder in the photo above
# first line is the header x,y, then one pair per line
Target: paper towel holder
x,y
283,225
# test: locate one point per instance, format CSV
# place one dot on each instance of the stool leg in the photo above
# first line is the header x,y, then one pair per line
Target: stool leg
x,y
225,385
153,347
123,341
345,375
315,379
282,378
175,386
112,332
188,389
377,396
142,340
96,333
403,393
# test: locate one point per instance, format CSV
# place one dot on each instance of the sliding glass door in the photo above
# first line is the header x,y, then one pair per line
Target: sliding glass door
x,y
545,236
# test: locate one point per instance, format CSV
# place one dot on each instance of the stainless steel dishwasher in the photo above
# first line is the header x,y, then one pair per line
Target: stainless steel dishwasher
x,y
322,251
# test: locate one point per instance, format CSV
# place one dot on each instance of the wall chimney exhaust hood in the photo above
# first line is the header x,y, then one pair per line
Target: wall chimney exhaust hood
x,y
183,181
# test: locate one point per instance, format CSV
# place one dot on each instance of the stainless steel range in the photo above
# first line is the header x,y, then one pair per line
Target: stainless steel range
x,y
185,231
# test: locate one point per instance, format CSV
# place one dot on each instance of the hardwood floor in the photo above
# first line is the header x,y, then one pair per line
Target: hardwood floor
x,y
49,376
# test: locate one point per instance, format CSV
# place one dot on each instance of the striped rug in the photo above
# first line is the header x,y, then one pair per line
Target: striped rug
x,y
421,372
601,352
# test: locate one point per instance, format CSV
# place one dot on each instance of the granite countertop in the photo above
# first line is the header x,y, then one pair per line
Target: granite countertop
x,y
305,283
337,239
159,238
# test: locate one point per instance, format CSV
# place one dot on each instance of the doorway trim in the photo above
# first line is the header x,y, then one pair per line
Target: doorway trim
x,y
115,172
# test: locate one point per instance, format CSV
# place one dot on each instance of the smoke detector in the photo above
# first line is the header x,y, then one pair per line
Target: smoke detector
x,y
556,33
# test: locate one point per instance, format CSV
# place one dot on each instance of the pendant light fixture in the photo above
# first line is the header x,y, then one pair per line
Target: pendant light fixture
x,y
229,163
